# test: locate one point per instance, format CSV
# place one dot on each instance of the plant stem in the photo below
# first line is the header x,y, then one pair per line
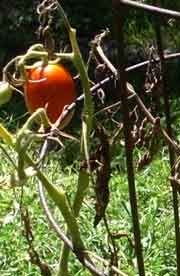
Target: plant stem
x,y
88,103
60,199
83,184
6,136
31,54
38,115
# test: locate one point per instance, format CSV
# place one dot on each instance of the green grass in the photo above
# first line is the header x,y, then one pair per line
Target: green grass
x,y
155,212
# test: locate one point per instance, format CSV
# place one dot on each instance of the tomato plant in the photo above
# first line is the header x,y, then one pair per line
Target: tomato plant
x,y
50,86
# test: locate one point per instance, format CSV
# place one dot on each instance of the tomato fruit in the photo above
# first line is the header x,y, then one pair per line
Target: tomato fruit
x,y
5,92
50,86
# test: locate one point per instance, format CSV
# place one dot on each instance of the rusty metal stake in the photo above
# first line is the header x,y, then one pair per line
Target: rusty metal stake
x,y
169,131
121,87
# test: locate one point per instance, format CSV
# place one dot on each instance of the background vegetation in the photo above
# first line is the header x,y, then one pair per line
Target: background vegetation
x,y
18,31
19,23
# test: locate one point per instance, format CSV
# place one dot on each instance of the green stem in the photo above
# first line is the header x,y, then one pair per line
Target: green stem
x,y
8,156
65,56
31,54
8,65
81,68
61,201
63,16
6,136
38,115
36,47
83,184
63,262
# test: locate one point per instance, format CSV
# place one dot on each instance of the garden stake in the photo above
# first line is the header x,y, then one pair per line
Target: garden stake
x,y
168,14
169,132
121,87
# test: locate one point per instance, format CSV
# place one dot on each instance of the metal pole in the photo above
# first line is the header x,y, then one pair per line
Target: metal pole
x,y
121,88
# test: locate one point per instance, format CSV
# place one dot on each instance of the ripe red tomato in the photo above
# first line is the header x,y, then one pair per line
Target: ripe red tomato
x,y
51,87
